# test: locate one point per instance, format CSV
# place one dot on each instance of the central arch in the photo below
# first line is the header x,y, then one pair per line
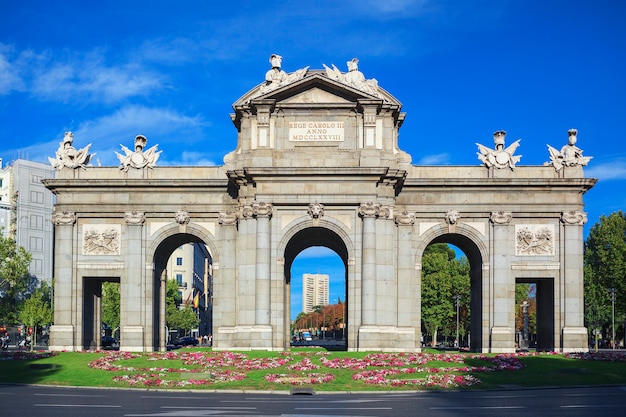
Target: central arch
x,y
303,236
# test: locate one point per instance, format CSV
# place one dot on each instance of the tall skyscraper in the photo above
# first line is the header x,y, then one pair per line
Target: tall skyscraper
x,y
314,291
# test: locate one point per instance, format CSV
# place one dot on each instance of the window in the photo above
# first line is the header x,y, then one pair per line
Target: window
x,y
36,222
36,244
36,197
179,279
179,261
36,178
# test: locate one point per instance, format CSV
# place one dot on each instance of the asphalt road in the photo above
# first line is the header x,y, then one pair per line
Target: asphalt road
x,y
22,400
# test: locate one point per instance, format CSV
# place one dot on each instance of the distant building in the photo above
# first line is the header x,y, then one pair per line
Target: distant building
x,y
25,212
314,291
188,265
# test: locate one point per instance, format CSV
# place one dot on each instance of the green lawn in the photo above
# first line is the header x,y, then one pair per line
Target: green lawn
x,y
197,368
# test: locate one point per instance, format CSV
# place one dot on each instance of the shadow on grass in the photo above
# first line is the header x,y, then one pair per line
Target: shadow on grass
x,y
553,370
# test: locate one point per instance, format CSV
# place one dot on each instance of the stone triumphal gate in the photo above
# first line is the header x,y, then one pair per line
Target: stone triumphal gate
x,y
318,164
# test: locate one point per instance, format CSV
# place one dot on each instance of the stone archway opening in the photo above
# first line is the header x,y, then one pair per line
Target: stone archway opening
x,y
185,259
473,340
540,304
325,317
92,311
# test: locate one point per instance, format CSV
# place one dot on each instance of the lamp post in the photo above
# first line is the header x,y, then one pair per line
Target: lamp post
x,y
457,301
524,343
612,291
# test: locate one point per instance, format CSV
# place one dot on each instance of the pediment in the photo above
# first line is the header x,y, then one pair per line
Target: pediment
x,y
314,88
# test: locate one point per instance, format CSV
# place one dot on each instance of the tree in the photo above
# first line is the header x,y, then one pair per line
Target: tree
x,y
111,305
605,268
443,278
14,277
36,311
175,317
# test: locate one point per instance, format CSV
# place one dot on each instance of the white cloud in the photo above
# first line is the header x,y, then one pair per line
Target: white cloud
x,y
608,171
89,78
10,78
437,159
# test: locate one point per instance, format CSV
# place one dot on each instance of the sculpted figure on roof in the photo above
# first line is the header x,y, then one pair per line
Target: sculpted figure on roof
x,y
500,157
569,155
139,158
354,78
276,77
69,157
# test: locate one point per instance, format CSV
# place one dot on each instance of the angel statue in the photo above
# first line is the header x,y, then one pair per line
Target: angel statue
x,y
138,159
569,155
69,157
500,157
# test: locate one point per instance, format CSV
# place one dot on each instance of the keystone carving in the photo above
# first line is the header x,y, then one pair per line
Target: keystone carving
x,y
316,210
182,217
452,216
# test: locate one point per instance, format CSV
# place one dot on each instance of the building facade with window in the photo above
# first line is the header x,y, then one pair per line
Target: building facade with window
x,y
314,291
25,212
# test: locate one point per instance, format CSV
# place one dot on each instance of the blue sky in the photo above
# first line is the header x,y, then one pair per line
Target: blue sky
x,y
170,70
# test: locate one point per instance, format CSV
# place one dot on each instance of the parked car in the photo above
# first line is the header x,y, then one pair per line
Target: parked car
x,y
186,341
109,342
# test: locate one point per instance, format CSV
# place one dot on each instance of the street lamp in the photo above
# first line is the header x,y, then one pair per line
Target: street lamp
x,y
612,291
457,300
524,343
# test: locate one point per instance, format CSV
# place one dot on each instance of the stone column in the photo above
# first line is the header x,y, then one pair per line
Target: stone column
x,y
502,294
162,319
574,331
132,285
62,332
369,212
224,282
409,293
385,275
263,213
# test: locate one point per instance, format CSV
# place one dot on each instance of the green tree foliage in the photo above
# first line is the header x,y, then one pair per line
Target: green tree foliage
x,y
605,268
443,278
111,304
37,311
184,318
14,277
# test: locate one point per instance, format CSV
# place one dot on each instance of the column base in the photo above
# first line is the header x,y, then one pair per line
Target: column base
x,y
387,339
132,340
62,338
257,337
502,340
575,339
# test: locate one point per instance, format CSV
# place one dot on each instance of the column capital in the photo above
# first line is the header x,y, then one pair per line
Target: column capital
x,y
370,209
134,218
501,217
228,219
576,218
66,218
405,218
261,209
